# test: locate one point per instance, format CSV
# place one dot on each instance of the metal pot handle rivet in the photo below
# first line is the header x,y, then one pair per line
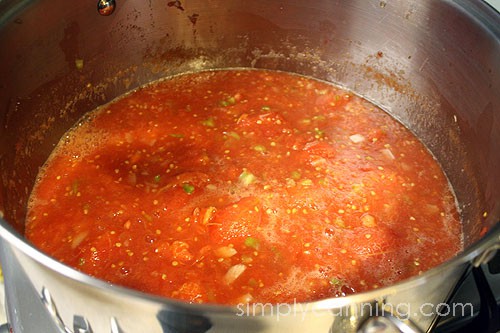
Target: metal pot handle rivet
x,y
106,7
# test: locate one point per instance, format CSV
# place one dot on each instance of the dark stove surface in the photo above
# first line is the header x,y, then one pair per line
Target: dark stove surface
x,y
480,291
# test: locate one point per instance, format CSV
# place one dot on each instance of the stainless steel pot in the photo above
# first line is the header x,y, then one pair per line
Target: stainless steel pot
x,y
434,65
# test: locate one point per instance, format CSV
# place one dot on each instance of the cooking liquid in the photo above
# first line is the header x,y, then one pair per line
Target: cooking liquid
x,y
239,186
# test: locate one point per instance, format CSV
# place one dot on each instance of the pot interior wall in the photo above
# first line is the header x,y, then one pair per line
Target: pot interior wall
x,y
428,63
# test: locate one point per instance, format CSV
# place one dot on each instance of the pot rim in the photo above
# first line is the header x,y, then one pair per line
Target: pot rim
x,y
484,14
472,252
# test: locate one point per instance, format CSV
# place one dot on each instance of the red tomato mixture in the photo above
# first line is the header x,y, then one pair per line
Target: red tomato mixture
x,y
244,186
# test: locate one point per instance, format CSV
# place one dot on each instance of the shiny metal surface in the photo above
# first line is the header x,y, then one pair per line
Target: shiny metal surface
x,y
106,7
434,65
387,323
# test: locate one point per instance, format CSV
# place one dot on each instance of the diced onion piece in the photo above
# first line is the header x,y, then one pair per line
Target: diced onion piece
x,y
208,214
368,221
225,252
388,153
234,272
357,138
319,161
211,187
307,182
78,239
244,299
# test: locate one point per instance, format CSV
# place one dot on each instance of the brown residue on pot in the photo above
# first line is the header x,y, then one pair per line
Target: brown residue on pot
x,y
193,18
69,44
177,4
